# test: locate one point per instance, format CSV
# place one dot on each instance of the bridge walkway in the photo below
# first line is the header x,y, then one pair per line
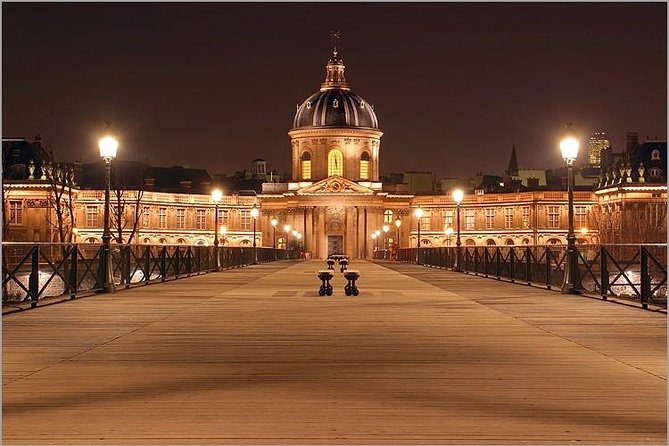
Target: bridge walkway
x,y
254,355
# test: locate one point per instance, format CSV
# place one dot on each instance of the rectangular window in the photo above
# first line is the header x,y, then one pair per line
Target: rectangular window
x,y
91,216
223,217
470,218
146,217
489,218
448,220
181,218
162,218
508,218
15,212
526,217
553,217
200,219
245,220
306,169
579,217
425,221
364,170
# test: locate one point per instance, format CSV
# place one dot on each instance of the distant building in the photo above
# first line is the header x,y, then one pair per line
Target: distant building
x,y
596,144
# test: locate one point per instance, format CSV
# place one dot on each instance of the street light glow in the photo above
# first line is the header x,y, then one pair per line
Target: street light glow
x,y
108,146
569,148
398,222
216,195
286,228
458,195
255,211
449,231
418,213
274,221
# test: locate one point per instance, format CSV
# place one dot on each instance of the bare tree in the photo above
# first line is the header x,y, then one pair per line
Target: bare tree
x,y
61,183
125,199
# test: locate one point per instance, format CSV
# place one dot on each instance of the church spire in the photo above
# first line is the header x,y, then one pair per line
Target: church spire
x,y
512,170
334,70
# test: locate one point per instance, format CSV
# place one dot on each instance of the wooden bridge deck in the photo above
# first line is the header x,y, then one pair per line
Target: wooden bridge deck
x,y
254,355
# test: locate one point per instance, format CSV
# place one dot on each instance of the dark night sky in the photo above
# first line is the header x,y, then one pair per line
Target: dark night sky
x,y
215,85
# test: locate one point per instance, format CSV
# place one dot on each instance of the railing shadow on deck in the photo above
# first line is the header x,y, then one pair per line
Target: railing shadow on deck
x,y
627,271
32,272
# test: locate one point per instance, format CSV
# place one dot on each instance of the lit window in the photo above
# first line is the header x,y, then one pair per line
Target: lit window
x,y
425,221
146,217
305,160
335,163
470,219
162,218
579,216
655,155
223,217
91,216
200,219
388,216
245,220
553,217
448,220
490,218
181,218
364,166
15,212
508,218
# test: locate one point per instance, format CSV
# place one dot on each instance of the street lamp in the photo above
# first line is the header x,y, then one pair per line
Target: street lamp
x,y
385,228
458,195
274,222
419,214
299,243
216,196
569,148
286,228
254,213
374,236
398,223
223,230
449,232
108,145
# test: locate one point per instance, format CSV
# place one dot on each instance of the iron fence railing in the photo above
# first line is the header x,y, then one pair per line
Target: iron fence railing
x,y
33,271
636,272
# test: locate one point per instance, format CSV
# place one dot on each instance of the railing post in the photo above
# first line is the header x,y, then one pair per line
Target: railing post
x,y
512,264
189,260
126,262
549,253
163,263
73,272
528,265
147,265
497,265
645,278
604,272
177,263
476,261
33,280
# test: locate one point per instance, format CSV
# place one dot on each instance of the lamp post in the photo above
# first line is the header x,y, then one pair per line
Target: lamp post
x,y
254,213
299,242
569,148
223,230
419,214
108,145
216,196
375,244
274,222
398,223
385,228
458,195
286,228
449,232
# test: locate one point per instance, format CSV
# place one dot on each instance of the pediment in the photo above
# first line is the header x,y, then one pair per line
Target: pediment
x,y
335,185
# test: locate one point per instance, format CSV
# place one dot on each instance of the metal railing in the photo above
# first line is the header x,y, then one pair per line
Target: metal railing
x,y
34,271
634,272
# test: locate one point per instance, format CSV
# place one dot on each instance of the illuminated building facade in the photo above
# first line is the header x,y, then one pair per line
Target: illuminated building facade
x,y
596,144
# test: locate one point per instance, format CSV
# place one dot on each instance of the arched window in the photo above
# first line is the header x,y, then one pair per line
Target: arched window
x,y
281,243
364,166
245,242
91,240
147,241
655,155
305,162
335,163
510,241
655,172
181,241
490,242
470,242
554,241
162,241
426,242
526,241
388,217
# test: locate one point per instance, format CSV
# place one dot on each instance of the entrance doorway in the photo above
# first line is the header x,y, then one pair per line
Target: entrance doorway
x,y
335,244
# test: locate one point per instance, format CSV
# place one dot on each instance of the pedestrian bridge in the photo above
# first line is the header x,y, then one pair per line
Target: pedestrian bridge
x,y
255,355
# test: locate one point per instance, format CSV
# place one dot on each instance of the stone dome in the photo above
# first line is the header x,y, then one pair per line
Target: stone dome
x,y
335,107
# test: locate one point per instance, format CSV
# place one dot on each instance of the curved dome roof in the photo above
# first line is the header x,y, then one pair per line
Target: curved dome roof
x,y
335,107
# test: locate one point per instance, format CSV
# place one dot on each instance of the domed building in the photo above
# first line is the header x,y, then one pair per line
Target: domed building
x,y
335,132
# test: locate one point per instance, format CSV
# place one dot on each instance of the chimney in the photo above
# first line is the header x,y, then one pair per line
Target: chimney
x,y
632,141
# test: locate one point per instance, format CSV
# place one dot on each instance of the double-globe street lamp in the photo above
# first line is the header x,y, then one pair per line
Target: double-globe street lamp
x,y
108,145
569,148
286,228
254,213
419,214
458,195
216,196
